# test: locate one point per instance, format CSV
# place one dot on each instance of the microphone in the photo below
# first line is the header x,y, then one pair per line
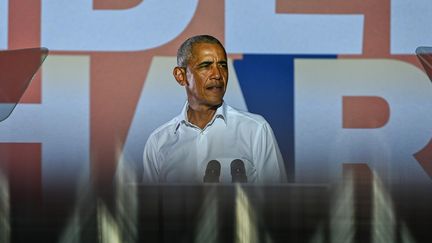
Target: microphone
x,y
212,172
238,171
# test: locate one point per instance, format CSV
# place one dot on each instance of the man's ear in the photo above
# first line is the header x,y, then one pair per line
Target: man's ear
x,y
180,75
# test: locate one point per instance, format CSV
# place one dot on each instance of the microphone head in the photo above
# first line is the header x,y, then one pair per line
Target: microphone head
x,y
238,171
212,172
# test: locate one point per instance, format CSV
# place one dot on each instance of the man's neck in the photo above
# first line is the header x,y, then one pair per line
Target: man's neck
x,y
201,116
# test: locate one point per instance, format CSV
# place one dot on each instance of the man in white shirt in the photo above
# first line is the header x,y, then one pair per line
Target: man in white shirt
x,y
210,141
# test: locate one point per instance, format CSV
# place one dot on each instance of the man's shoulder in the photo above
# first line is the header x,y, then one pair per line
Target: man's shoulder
x,y
245,117
166,128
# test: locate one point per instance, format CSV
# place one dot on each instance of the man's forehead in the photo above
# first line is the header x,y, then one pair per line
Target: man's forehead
x,y
198,48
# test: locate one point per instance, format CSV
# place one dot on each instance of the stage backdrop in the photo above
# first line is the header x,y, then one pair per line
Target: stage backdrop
x,y
338,81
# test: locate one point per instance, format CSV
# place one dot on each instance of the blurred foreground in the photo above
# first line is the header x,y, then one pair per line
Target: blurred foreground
x,y
358,209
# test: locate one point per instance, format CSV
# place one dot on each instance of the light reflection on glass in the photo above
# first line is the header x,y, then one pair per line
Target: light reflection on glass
x,y
108,228
81,215
383,217
91,218
342,213
208,225
318,236
406,236
4,209
126,201
71,233
245,221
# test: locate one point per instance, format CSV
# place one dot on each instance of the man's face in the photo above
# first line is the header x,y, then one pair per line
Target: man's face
x,y
207,75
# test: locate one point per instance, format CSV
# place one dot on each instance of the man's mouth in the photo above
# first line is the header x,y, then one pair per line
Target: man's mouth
x,y
216,87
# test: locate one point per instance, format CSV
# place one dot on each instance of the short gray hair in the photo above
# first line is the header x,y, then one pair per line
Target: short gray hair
x,y
184,52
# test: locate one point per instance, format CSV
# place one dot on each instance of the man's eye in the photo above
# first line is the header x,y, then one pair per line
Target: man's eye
x,y
204,65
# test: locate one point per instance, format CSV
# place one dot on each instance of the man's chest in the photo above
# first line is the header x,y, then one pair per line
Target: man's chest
x,y
187,158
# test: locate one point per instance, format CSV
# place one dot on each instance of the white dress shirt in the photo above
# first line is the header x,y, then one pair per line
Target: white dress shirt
x,y
179,151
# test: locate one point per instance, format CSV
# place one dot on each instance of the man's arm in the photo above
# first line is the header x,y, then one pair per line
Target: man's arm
x,y
270,164
150,162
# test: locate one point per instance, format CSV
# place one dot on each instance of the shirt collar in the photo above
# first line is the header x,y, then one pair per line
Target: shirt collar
x,y
182,118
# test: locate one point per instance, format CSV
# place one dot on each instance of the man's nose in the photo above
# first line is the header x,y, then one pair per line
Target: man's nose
x,y
216,72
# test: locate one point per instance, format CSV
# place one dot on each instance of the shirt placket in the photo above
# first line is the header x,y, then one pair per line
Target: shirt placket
x,y
201,148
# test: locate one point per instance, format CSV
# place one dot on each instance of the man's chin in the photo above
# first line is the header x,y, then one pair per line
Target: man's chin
x,y
216,103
